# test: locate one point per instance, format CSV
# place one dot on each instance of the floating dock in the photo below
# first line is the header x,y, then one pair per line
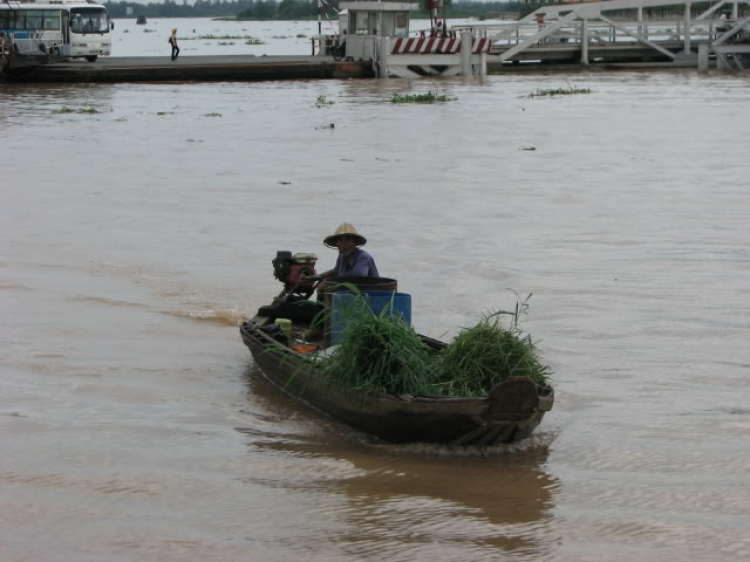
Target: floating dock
x,y
615,33
192,69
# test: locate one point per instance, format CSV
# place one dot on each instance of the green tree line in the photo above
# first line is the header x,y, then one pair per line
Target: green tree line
x,y
308,9
293,9
171,9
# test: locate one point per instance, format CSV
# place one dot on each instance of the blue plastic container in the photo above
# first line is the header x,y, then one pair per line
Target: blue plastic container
x,y
378,300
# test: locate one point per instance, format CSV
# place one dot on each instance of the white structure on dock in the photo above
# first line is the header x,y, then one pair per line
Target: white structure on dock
x,y
622,31
379,32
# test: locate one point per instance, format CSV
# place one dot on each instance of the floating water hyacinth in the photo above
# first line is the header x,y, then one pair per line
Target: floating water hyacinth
x,y
80,110
429,97
559,92
322,100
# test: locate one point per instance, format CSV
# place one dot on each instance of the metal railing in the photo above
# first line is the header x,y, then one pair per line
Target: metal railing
x,y
584,26
508,35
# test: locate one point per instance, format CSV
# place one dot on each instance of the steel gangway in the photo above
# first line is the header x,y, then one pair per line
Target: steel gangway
x,y
624,31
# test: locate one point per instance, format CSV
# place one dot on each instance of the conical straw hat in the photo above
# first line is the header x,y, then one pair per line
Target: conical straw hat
x,y
345,230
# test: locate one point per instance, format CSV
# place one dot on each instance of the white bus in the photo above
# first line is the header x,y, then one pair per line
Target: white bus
x,y
64,28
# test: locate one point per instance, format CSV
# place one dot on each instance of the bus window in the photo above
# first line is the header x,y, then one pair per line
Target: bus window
x,y
15,20
88,20
75,23
34,20
51,20
65,30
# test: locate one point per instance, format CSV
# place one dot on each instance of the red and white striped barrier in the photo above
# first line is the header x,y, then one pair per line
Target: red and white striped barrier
x,y
437,46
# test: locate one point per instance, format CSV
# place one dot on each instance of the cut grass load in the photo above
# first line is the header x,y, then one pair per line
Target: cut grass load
x,y
488,354
379,353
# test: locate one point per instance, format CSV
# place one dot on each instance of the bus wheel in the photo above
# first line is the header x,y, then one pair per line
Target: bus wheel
x,y
91,58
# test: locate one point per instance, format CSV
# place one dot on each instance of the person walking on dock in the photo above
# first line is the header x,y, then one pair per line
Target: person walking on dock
x,y
540,24
724,24
173,42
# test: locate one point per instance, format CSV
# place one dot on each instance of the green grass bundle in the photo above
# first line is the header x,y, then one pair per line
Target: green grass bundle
x,y
487,354
379,353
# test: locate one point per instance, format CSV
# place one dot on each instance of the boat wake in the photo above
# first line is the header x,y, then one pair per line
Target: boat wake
x,y
537,441
108,301
229,317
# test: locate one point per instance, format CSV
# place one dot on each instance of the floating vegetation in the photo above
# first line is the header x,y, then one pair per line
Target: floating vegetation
x,y
571,90
165,113
81,110
225,43
212,115
301,36
429,97
218,37
321,101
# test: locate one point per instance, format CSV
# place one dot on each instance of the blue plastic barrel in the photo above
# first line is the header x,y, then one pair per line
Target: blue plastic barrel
x,y
378,301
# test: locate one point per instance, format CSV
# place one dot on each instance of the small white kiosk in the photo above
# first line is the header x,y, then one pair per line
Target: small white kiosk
x,y
369,20
379,32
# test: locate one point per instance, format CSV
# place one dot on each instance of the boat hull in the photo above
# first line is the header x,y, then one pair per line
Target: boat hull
x,y
510,412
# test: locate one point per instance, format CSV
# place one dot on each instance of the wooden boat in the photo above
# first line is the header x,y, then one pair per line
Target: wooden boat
x,y
509,413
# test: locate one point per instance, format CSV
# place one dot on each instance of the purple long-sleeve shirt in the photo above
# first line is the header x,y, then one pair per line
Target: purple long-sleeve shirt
x,y
357,264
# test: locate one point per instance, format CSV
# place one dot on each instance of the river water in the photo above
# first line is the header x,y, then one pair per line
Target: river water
x,y
135,427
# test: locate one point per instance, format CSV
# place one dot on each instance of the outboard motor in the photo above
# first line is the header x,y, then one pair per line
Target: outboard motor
x,y
293,302
288,268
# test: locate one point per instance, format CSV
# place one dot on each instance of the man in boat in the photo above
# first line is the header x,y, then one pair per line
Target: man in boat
x,y
353,261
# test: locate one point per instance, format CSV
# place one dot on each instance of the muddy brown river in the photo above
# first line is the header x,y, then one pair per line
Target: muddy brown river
x,y
135,427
